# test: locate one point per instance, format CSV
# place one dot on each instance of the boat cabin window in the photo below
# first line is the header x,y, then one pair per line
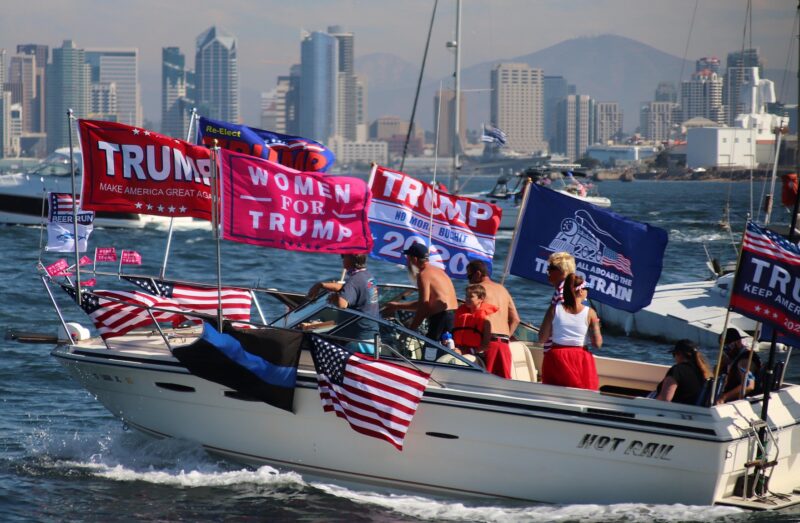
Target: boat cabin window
x,y
57,164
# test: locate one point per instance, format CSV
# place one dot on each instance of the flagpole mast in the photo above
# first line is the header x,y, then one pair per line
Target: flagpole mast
x,y
74,211
457,102
515,237
215,190
172,218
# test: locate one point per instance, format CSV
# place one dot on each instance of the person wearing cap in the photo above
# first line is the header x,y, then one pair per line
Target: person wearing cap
x,y
436,300
569,362
735,360
684,380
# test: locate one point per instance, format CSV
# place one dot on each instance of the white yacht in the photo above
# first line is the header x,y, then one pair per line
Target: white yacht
x,y
474,434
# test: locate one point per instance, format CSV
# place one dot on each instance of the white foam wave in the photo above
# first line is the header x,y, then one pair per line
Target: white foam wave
x,y
440,510
195,478
688,237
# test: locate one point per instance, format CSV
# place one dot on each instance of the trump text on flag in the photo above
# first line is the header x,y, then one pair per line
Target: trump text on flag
x,y
128,169
268,204
406,210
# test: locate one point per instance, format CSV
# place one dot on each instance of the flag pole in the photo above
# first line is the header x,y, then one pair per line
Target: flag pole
x,y
515,236
172,218
70,117
215,190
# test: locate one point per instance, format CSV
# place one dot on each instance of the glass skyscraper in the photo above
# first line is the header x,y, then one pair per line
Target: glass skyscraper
x,y
217,75
319,70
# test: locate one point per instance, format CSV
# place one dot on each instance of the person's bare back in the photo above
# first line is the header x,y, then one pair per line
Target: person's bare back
x,y
506,316
436,290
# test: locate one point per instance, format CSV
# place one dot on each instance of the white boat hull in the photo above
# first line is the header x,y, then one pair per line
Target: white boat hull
x,y
480,435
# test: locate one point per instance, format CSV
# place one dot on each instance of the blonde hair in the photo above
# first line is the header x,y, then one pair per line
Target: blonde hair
x,y
563,260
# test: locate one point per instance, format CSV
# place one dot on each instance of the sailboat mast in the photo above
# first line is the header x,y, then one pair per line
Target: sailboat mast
x,y
457,103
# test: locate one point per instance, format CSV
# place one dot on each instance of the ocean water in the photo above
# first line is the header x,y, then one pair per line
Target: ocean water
x,y
63,457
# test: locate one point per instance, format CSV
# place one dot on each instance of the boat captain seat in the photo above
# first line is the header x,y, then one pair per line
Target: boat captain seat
x,y
523,367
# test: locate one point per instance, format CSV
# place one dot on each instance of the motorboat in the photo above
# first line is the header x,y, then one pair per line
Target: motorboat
x,y
693,310
508,191
23,196
473,434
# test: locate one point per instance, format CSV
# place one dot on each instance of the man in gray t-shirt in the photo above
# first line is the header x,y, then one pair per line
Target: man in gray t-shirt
x,y
359,292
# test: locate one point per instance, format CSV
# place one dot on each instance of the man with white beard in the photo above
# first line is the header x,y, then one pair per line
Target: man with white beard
x,y
437,300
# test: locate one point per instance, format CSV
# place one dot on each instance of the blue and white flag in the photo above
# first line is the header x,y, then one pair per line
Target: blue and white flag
x,y
620,259
60,220
296,152
492,134
767,283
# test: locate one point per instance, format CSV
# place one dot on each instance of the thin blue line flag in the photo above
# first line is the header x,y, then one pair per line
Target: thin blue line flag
x,y
620,259
259,363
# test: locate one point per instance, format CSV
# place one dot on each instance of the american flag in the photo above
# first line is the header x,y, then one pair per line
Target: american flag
x,y
492,134
235,302
61,203
115,318
774,246
377,398
616,260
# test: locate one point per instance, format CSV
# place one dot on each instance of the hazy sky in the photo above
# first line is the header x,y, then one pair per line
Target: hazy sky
x,y
269,31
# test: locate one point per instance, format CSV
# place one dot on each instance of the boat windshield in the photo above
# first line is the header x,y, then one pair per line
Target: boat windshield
x,y
357,331
57,164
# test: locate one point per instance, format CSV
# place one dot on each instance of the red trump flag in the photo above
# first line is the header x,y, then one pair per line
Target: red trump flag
x,y
268,204
128,169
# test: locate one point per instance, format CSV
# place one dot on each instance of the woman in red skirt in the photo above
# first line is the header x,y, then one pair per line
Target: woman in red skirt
x,y
569,362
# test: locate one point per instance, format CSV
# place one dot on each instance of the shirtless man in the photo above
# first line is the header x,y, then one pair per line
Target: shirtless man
x,y
505,320
437,297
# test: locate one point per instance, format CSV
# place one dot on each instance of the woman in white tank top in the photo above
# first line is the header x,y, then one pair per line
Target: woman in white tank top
x,y
569,362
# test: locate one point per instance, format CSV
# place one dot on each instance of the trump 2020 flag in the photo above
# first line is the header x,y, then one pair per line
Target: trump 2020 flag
x,y
129,169
269,204
620,259
296,152
257,363
60,224
767,283
376,397
405,210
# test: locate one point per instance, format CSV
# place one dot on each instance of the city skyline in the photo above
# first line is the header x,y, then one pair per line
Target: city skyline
x,y
492,31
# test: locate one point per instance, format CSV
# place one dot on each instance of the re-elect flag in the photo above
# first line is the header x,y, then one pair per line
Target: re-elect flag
x,y
268,204
377,398
132,170
235,302
296,152
620,259
60,224
405,210
258,363
767,282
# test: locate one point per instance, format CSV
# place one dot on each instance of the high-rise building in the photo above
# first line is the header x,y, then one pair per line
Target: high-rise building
x,y
2,70
319,82
347,109
103,104
517,105
293,101
22,79
119,66
217,75
177,93
42,54
68,78
273,107
702,96
707,63
607,121
15,117
666,92
361,108
5,122
575,125
555,90
737,71
444,127
657,120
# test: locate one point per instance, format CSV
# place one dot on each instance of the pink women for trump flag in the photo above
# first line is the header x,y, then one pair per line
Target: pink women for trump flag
x,y
268,204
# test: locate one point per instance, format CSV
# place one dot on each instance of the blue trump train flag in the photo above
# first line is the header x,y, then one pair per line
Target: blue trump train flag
x,y
767,283
257,363
296,152
620,259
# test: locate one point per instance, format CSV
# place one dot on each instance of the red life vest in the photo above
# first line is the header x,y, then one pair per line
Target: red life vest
x,y
789,190
468,330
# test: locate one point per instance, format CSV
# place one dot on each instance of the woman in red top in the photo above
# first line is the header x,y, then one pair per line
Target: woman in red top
x,y
473,332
